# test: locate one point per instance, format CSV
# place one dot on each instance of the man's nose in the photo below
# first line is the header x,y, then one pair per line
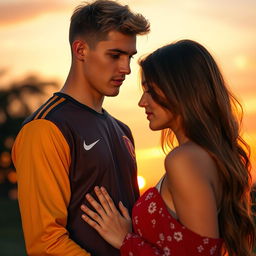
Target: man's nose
x,y
125,67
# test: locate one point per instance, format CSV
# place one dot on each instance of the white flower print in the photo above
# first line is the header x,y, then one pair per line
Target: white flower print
x,y
169,238
136,220
141,243
149,195
172,226
130,254
159,243
200,248
213,249
178,236
152,207
156,251
137,204
160,210
153,221
139,232
167,251
206,240
129,235
161,236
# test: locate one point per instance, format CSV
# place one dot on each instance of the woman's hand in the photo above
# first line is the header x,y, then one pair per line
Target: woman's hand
x,y
107,220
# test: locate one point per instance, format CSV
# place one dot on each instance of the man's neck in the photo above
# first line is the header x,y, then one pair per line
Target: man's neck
x,y
77,90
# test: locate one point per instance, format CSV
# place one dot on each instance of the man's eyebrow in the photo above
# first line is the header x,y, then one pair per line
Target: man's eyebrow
x,y
122,52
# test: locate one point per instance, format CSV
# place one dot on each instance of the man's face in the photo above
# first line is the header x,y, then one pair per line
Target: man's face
x,y
106,65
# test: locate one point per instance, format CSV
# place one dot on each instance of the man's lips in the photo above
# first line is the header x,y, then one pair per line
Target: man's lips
x,y
117,82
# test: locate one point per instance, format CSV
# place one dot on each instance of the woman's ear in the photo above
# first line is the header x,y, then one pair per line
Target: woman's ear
x,y
79,49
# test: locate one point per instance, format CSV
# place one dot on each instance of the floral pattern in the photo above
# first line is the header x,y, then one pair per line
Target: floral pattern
x,y
152,207
156,232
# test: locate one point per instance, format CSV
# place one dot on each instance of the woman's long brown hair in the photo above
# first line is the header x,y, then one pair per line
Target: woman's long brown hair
x,y
194,89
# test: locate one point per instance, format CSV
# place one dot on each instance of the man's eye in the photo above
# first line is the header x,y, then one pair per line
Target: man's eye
x,y
114,56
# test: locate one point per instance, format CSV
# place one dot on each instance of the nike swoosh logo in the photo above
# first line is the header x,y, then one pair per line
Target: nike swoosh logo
x,y
88,147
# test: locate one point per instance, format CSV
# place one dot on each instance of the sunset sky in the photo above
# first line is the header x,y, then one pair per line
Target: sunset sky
x,y
34,40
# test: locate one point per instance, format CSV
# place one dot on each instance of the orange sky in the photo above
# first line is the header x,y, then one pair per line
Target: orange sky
x,y
34,39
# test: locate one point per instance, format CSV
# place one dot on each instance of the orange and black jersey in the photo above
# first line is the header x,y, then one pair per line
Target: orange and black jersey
x,y
62,152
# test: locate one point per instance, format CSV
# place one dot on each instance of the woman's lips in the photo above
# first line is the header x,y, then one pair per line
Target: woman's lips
x,y
149,115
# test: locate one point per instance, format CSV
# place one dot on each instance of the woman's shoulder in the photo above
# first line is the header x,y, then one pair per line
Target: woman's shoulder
x,y
190,158
190,177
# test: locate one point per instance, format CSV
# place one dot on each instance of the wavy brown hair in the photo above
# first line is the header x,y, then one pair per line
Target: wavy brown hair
x,y
194,89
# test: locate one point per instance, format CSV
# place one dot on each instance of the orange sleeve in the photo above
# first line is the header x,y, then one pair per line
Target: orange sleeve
x,y
41,157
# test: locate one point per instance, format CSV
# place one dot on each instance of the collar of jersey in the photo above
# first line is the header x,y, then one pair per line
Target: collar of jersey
x,y
104,113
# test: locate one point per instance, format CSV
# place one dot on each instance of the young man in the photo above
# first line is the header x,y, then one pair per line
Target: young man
x,y
71,144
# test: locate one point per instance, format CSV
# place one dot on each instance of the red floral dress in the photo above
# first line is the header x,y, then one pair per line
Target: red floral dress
x,y
157,232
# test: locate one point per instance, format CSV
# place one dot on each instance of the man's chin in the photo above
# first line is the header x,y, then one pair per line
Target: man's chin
x,y
113,94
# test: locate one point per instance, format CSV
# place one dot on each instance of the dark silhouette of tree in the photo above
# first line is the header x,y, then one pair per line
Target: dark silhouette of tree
x,y
17,101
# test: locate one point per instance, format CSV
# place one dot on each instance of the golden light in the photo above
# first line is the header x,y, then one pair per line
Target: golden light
x,y
149,153
12,177
141,182
5,159
241,61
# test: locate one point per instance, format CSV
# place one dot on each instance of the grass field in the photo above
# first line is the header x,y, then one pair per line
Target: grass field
x,y
11,236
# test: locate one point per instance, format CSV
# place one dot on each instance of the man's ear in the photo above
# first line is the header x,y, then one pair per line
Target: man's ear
x,y
79,49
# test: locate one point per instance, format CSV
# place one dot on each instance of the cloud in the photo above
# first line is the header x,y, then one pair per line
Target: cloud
x,y
236,13
15,12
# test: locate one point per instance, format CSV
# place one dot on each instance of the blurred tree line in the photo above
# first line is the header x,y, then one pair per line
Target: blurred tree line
x,y
17,101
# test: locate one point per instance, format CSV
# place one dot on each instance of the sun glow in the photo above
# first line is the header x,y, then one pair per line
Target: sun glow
x,y
141,182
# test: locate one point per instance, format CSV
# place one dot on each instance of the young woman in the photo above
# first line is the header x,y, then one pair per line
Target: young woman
x,y
202,204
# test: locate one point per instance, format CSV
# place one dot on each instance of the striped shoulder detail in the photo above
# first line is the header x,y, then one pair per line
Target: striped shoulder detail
x,y
50,106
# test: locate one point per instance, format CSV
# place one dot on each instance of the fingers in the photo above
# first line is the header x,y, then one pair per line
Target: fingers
x,y
124,211
103,200
95,221
96,206
109,200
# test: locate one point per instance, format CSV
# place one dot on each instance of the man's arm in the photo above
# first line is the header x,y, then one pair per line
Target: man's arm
x,y
41,157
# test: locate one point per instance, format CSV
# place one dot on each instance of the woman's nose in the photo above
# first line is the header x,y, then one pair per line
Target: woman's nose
x,y
143,101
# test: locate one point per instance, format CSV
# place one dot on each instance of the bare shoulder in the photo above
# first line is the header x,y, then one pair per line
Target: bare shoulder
x,y
191,178
190,159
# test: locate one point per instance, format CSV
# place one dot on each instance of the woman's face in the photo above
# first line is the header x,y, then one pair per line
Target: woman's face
x,y
158,116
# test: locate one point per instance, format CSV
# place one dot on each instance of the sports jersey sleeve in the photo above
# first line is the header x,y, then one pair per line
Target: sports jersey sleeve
x,y
41,157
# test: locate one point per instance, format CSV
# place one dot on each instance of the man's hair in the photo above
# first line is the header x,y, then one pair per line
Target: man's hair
x,y
93,21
